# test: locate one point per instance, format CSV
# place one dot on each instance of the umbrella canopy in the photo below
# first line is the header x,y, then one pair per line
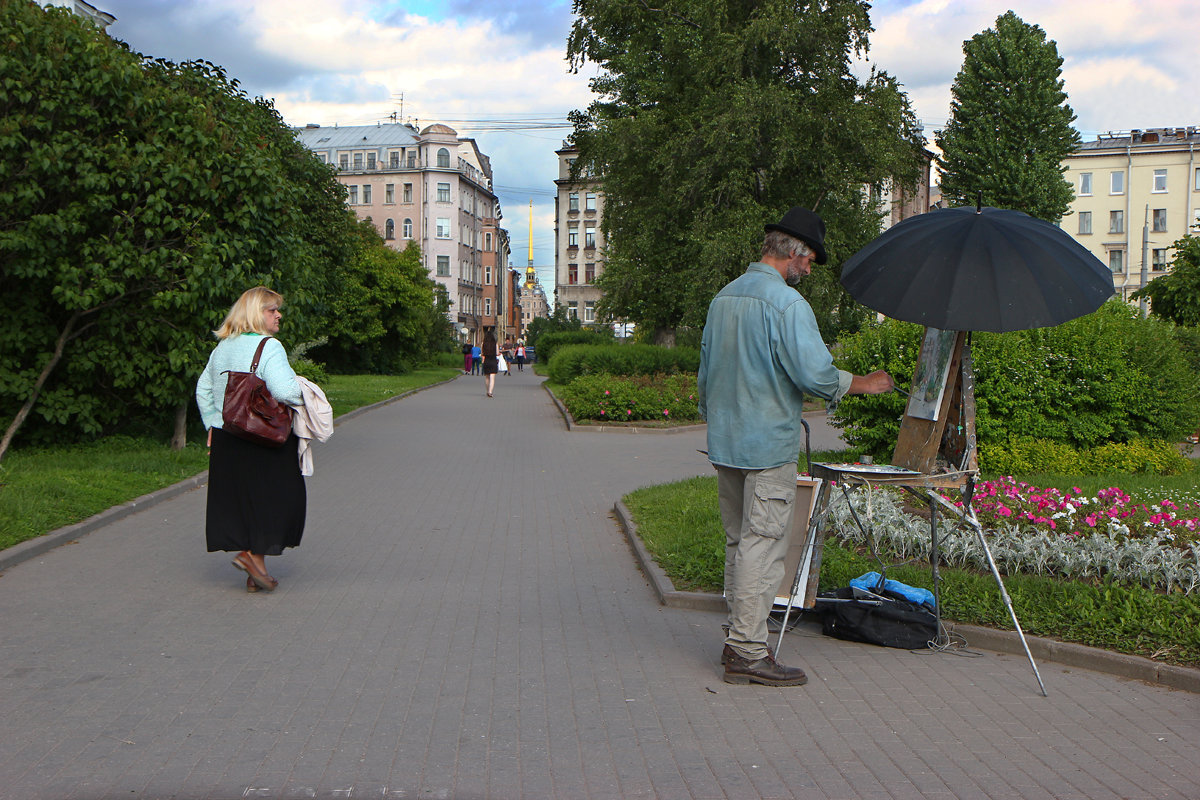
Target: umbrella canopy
x,y
977,269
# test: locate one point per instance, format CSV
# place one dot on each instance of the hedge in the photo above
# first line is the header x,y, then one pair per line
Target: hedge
x,y
572,361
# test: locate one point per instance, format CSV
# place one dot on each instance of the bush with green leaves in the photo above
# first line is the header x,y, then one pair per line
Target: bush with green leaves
x,y
1110,376
548,343
571,361
1023,455
609,398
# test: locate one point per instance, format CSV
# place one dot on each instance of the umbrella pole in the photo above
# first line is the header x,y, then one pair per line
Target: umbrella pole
x,y
970,517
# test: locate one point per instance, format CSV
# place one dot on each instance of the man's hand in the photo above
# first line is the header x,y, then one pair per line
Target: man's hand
x,y
877,382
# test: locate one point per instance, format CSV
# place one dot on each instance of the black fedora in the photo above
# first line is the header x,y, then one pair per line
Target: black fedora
x,y
806,226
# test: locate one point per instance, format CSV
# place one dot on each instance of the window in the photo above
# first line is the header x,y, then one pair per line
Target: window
x,y
1116,183
1085,183
573,201
487,274
443,266
1158,259
393,160
443,193
412,160
573,310
370,161
487,306
443,227
1160,180
389,193
324,157
1085,222
1116,222
487,243
343,161
407,230
1159,220
1196,183
1116,260
572,274
590,201
353,195
358,160
573,236
589,311
389,229
366,193
589,273
408,192
589,236
443,158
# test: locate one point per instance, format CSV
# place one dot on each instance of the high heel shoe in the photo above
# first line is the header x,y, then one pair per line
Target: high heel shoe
x,y
246,564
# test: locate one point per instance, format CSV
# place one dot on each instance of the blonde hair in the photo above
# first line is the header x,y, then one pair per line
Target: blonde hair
x,y
246,316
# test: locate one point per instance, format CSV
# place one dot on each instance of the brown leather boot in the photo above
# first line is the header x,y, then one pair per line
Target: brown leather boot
x,y
765,670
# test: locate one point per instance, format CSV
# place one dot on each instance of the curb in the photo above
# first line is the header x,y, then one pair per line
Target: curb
x,y
32,548
572,426
1068,654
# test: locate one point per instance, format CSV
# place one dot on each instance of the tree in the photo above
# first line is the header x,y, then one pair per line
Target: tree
x,y
714,118
379,316
1176,295
138,199
1010,125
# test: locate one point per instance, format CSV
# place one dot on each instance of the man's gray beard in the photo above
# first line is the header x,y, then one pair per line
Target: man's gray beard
x,y
793,277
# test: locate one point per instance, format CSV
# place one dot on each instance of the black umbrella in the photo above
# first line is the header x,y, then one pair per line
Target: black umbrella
x,y
977,269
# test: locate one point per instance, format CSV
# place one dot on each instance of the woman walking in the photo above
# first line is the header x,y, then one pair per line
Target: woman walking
x,y
256,495
491,364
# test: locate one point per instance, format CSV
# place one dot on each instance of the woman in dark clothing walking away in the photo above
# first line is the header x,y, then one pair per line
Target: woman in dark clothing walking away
x,y
491,364
256,494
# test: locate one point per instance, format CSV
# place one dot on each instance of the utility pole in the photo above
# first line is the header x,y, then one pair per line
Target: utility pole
x,y
1145,253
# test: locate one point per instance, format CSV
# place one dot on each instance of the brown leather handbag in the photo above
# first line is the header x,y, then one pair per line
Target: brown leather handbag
x,y
250,412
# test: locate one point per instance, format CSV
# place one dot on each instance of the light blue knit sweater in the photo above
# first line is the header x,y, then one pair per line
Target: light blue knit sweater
x,y
236,353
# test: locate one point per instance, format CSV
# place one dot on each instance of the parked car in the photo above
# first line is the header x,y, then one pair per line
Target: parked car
x,y
530,355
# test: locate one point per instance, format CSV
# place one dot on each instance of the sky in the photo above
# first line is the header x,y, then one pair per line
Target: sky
x,y
496,70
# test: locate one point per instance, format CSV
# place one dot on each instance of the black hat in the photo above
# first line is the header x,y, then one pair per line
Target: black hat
x,y
806,226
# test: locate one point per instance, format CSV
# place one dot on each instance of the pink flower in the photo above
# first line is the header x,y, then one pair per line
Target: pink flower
x,y
1002,510
603,412
606,391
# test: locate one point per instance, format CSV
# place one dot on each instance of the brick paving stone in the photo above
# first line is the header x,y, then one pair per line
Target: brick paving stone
x,y
464,619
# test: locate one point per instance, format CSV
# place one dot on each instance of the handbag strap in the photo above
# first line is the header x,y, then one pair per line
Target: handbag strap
x,y
258,354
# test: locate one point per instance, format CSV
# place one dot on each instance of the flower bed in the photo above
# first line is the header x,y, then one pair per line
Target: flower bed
x,y
607,398
1046,532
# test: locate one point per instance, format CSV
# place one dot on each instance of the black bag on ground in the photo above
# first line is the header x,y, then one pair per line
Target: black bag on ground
x,y
895,622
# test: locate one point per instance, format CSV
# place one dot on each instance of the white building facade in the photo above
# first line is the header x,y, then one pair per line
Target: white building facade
x,y
430,187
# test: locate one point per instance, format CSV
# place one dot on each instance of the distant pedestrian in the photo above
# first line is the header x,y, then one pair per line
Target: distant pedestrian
x,y
476,357
467,358
520,356
491,361
256,502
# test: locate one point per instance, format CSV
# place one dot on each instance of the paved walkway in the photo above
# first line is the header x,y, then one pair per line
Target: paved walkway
x,y
464,620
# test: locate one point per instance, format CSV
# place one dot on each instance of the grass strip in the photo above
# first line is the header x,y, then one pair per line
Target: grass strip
x,y
681,527
45,488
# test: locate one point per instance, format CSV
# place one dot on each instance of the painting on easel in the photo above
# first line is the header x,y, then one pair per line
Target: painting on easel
x,y
929,380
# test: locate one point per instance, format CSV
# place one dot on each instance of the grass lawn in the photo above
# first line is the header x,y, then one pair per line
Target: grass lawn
x,y
42,489
681,527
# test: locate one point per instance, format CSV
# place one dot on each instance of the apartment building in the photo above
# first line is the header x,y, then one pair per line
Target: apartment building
x,y
430,187
578,240
497,290
533,301
79,8
1130,187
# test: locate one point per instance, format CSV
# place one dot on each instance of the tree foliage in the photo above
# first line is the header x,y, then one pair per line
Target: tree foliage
x,y
138,199
1010,124
1176,295
714,118
381,306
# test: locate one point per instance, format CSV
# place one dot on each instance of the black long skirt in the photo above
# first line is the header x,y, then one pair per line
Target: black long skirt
x,y
256,496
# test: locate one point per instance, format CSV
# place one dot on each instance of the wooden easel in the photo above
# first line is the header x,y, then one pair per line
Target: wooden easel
x,y
935,451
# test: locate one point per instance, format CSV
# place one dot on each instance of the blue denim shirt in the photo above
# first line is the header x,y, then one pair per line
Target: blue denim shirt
x,y
761,351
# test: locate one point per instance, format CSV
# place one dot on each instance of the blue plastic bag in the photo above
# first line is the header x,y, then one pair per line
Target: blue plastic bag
x,y
914,594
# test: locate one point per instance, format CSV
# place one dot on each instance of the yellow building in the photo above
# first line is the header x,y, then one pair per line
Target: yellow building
x,y
1130,188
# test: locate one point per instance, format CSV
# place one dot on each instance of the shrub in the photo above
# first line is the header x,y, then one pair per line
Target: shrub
x,y
1026,455
1110,376
572,361
608,398
548,343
